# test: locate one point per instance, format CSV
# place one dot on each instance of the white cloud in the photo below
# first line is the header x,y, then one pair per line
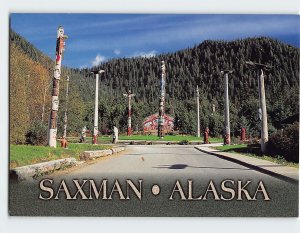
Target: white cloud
x,y
193,31
145,54
117,51
98,60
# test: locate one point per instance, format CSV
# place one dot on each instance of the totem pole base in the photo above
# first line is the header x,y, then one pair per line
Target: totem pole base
x,y
243,134
227,139
52,138
95,139
263,145
129,132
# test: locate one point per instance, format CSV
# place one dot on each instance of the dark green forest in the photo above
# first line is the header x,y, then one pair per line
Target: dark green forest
x,y
200,65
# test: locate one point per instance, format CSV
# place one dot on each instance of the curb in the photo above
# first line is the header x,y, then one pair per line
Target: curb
x,y
35,170
254,167
89,155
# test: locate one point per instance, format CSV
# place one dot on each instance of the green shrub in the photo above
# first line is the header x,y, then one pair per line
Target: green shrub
x,y
172,133
37,134
285,142
184,142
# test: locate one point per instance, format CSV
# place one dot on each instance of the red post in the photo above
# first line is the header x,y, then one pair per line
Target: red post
x,y
63,142
95,139
243,134
206,136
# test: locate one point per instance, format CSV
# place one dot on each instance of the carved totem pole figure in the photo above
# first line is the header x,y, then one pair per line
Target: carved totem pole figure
x,y
161,111
206,136
198,111
60,46
115,135
129,96
226,109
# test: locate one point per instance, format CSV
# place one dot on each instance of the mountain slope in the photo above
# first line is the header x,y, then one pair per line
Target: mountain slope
x,y
200,65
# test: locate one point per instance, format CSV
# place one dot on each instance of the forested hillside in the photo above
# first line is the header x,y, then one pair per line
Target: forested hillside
x,y
31,74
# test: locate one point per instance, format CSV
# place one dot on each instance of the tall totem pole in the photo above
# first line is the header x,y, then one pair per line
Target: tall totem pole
x,y
262,102
226,108
60,46
198,112
129,96
161,112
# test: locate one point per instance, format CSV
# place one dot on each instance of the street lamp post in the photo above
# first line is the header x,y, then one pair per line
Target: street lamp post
x,y
226,109
262,102
129,96
95,131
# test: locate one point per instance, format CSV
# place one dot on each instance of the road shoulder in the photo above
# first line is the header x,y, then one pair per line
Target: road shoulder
x,y
283,172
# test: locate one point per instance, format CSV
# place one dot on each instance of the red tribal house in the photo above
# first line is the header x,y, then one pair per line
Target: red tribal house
x,y
151,123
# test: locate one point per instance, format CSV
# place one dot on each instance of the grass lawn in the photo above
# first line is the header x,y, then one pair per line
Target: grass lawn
x,y
254,151
231,148
21,155
151,138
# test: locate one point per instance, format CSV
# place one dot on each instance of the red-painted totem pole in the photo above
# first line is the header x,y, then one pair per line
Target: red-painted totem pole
x,y
243,134
206,136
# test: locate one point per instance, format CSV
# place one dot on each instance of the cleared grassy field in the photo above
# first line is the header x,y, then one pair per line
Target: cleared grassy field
x,y
166,138
231,147
173,138
21,155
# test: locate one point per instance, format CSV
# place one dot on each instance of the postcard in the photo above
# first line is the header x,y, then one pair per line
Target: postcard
x,y
157,115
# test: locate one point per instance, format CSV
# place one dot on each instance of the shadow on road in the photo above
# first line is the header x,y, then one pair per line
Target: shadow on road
x,y
183,166
155,153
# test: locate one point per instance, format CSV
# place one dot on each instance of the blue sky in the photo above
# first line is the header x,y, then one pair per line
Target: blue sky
x,y
95,38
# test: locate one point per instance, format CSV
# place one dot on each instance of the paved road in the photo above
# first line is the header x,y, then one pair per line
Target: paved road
x,y
162,165
165,162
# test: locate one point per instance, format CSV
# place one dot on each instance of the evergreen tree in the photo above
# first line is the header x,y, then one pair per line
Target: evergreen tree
x,y
31,75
